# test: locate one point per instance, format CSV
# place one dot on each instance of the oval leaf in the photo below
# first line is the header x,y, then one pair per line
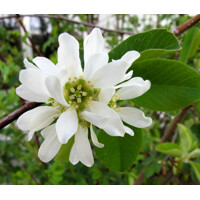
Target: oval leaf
x,y
196,168
119,153
169,148
151,44
185,138
174,85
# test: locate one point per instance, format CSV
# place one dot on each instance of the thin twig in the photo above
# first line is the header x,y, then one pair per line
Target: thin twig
x,y
15,114
30,39
72,21
183,27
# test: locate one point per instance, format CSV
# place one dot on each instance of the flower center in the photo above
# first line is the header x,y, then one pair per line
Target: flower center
x,y
78,93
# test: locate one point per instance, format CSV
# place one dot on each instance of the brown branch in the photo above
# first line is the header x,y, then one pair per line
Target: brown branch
x,y
15,114
169,132
183,27
30,39
72,21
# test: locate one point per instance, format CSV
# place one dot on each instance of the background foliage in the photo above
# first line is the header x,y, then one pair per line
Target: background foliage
x,y
174,162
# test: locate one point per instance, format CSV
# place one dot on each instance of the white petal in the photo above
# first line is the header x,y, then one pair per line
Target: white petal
x,y
94,63
128,75
37,119
110,74
46,131
50,146
106,94
35,80
93,44
96,119
83,147
28,64
129,130
133,88
95,139
55,89
63,76
26,93
134,117
114,125
73,157
46,66
67,125
130,57
68,55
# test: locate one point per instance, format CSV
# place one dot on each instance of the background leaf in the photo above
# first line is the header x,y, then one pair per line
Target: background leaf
x,y
174,85
196,168
151,44
169,148
119,153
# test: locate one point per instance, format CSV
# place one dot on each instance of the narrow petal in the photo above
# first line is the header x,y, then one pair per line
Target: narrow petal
x,y
55,89
68,55
133,88
35,80
28,64
114,125
67,125
134,117
26,93
128,75
63,76
110,74
94,63
129,131
106,94
73,157
50,146
83,147
95,139
37,119
130,57
93,44
46,66
96,119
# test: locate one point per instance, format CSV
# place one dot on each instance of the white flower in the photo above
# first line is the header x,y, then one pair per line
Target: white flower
x,y
79,100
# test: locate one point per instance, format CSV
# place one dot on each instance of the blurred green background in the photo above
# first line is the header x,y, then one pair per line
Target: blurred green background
x,y
19,163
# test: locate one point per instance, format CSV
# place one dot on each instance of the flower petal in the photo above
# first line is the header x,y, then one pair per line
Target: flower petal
x,y
26,93
106,94
50,146
73,157
67,125
133,88
93,44
130,57
34,79
110,74
83,147
129,130
28,64
55,89
114,125
37,119
94,138
128,75
134,117
46,66
94,63
68,55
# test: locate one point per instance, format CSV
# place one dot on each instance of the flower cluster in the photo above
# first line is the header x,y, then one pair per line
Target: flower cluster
x,y
75,100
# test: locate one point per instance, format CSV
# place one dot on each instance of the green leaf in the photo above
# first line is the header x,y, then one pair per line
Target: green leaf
x,y
119,153
185,138
152,168
63,154
196,168
190,44
195,153
174,85
169,148
151,44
